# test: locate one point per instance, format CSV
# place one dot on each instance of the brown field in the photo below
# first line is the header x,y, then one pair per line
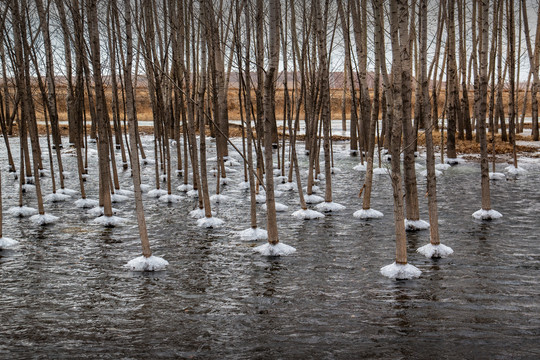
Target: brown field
x,y
144,113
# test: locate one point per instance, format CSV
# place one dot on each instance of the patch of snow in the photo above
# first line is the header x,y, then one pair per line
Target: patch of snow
x,y
230,170
253,234
279,207
443,167
415,225
199,213
313,199
486,214
279,249
179,172
185,187
163,178
44,173
22,211
67,191
400,271
231,162
170,199
117,198
435,251
7,243
152,263
437,173
320,176
157,193
280,179
219,198
360,167
44,219
210,222
243,185
109,221
86,203
307,214
496,176
277,172
288,186
335,170
29,180
329,207
67,174
55,197
368,214
193,193
260,198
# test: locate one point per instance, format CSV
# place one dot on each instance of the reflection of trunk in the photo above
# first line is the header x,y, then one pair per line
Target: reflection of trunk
x,y
101,110
130,110
397,21
482,89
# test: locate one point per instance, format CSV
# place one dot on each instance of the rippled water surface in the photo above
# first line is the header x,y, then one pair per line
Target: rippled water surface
x,y
65,294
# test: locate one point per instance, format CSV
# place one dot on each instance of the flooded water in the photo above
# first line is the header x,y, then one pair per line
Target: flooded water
x,y
65,294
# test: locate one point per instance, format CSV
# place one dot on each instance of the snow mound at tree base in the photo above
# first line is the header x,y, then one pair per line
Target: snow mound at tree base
x,y
117,198
157,193
435,251
44,219
144,188
67,191
400,271
170,199
368,214
416,225
313,199
86,203
243,185
454,161
288,186
329,207
279,249
7,243
279,207
98,211
486,215
380,171
185,187
125,192
314,189
307,214
22,211
497,176
360,167
152,263
109,221
253,234
219,198
515,171
437,173
55,197
210,223
443,166
193,193
199,213
335,170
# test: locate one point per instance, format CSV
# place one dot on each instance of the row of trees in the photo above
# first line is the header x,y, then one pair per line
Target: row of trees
x,y
183,54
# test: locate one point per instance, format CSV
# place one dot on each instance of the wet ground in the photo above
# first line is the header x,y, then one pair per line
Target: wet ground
x,y
65,294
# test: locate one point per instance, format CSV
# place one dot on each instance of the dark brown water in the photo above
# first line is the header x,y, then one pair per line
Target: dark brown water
x,y
65,294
